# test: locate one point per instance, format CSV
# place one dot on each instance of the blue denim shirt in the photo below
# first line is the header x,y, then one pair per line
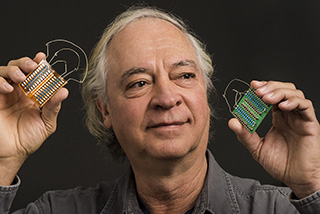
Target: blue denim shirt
x,y
221,193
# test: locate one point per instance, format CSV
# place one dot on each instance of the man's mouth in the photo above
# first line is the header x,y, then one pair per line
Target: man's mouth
x,y
167,124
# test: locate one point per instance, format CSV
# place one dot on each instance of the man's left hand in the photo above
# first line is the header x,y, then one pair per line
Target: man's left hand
x,y
290,151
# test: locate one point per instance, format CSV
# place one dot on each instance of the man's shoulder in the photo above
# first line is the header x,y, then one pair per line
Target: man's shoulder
x,y
103,188
253,196
245,187
244,194
78,200
249,187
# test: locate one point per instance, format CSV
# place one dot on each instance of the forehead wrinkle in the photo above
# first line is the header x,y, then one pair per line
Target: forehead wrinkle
x,y
168,41
174,38
173,33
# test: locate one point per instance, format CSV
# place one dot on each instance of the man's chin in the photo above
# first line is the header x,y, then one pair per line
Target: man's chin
x,y
171,152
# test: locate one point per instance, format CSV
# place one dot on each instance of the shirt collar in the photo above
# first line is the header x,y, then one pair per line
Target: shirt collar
x,y
220,194
216,195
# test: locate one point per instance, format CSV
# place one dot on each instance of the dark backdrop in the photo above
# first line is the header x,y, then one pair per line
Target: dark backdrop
x,y
248,39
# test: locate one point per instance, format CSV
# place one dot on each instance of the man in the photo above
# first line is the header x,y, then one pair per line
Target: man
x,y
146,97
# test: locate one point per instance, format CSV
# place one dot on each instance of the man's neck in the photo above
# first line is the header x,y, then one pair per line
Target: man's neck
x,y
173,189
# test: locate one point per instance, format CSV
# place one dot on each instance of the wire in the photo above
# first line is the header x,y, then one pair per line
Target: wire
x,y
66,73
238,95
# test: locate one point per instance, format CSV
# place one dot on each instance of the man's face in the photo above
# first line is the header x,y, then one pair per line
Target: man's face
x,y
157,103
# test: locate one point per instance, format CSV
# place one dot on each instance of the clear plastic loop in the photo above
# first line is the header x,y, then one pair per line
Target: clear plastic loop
x,y
77,68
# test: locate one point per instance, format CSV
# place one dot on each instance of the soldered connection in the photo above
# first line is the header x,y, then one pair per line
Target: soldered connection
x,y
249,108
41,84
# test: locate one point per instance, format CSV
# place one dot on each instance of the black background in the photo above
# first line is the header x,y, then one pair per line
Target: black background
x,y
248,39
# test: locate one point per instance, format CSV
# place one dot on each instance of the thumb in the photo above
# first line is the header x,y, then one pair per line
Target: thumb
x,y
251,141
52,108
39,56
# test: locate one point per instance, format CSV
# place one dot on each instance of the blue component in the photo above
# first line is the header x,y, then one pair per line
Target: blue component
x,y
245,116
44,69
251,110
259,100
248,117
257,103
55,82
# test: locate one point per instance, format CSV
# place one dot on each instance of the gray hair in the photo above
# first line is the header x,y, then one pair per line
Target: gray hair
x,y
95,86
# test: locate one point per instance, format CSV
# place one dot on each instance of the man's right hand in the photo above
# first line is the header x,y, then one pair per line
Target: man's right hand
x,y
23,126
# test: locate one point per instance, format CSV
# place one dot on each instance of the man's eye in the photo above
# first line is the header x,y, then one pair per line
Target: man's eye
x,y
137,84
188,76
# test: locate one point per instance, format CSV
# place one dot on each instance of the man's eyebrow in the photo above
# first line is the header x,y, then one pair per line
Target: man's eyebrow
x,y
133,71
138,70
184,63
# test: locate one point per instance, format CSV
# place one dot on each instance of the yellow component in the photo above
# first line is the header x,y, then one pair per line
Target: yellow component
x,y
41,84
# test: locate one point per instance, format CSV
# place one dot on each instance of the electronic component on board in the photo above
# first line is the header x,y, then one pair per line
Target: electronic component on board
x,y
249,108
41,84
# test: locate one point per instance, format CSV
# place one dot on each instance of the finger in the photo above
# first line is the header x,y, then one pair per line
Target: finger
x,y
14,71
39,56
303,106
5,87
250,141
17,76
25,64
263,87
281,94
52,107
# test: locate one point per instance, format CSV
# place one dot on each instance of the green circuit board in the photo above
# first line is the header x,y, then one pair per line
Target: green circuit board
x,y
251,110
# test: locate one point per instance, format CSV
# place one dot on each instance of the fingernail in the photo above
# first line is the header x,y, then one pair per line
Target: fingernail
x,y
285,102
30,63
258,83
7,86
270,95
19,75
263,88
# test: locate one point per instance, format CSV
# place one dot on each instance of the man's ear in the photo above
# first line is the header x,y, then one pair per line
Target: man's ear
x,y
103,108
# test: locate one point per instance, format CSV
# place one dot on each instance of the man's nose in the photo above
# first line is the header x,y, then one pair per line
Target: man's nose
x,y
165,94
